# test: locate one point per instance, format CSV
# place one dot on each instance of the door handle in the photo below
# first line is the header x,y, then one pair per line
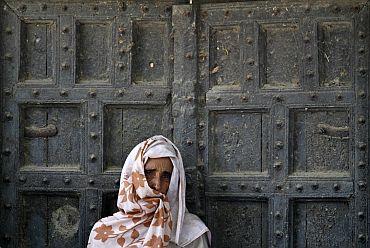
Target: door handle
x,y
40,132
335,132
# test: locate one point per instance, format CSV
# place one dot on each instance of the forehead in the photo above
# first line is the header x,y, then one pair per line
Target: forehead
x,y
159,163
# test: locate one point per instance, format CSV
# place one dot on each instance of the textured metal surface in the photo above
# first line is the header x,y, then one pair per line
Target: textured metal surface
x,y
267,101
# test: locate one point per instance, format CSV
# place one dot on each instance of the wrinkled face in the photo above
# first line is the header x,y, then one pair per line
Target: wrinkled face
x,y
158,173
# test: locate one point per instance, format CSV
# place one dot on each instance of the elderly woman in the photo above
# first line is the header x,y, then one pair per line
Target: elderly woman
x,y
151,201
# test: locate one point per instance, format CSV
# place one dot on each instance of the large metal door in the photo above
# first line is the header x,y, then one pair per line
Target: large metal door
x,y
266,101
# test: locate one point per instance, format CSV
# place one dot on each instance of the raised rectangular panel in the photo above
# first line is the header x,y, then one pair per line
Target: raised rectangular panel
x,y
239,141
49,220
51,136
93,52
225,55
239,223
149,52
279,55
125,127
318,136
321,223
37,51
335,53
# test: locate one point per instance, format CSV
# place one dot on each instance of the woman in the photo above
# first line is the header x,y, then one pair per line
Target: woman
x,y
151,201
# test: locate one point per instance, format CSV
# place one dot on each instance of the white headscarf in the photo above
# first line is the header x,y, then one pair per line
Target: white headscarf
x,y
138,227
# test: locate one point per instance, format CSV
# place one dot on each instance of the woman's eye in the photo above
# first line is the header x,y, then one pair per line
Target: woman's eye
x,y
167,176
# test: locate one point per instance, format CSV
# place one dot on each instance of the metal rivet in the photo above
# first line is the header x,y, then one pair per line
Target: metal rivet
x,y
201,145
189,98
336,8
361,120
336,187
44,7
144,8
361,215
93,135
279,187
63,93
277,215
65,29
6,179
279,234
8,30
313,96
249,76
278,98
361,34
189,55
93,115
362,94
23,8
8,116
279,144
45,180
257,188
95,8
8,92
122,5
244,98
189,142
91,181
7,237
92,157
22,179
250,61
65,48
218,99
339,97
361,164
306,39
7,152
65,8
35,93
362,237
201,124
249,40
222,186
168,9
121,66
8,205
362,145
278,164
117,181
310,73
8,56
148,93
92,207
65,66
92,93
362,71
362,185
120,92
279,123
299,187
315,186
67,180
242,186
309,57
361,50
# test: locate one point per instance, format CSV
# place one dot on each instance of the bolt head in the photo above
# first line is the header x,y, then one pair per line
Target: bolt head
x,y
63,93
67,180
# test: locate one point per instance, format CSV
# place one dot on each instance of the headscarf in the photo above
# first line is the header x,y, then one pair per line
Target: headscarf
x,y
148,218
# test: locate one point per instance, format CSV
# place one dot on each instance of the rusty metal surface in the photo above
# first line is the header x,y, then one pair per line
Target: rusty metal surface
x,y
267,101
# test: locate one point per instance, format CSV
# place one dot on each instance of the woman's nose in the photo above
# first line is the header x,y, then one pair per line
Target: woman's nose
x,y
157,182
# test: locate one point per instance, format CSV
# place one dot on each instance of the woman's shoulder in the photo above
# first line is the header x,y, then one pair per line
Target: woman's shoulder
x,y
200,242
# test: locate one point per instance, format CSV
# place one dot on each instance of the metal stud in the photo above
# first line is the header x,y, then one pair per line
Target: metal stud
x,y
218,99
92,207
23,8
361,185
201,145
278,98
121,66
65,66
93,135
257,188
8,205
120,92
201,124
249,76
189,142
65,30
361,50
336,187
249,40
95,8
313,96
8,30
144,8
44,7
6,179
362,146
315,186
223,186
63,93
189,55
242,185
361,215
362,94
35,93
309,57
91,181
361,119
278,215
279,187
189,98
7,152
8,92
299,187
92,157
92,93
148,93
361,34
306,39
65,8
244,98
250,61
361,164
67,180
278,165
362,71
45,180
93,115
279,234
65,48
8,116
22,179
310,73
8,56
339,97
362,237
279,144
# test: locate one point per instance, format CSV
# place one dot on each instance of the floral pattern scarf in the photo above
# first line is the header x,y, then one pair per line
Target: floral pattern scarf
x,y
145,218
